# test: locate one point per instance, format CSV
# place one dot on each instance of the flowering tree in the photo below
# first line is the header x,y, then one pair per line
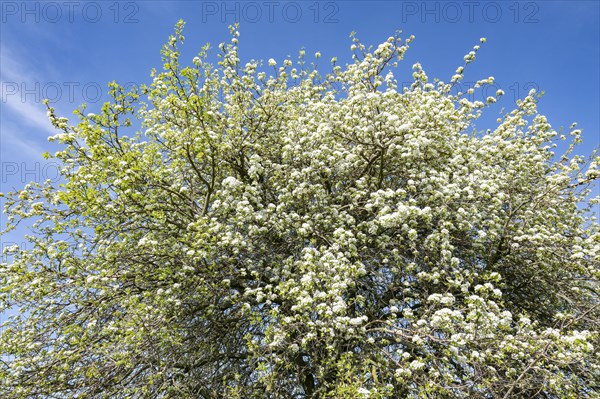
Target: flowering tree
x,y
287,234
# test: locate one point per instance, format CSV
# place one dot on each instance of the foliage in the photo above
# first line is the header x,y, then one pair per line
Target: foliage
x,y
274,232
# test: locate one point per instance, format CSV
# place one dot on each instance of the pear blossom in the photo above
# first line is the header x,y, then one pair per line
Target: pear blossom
x,y
307,234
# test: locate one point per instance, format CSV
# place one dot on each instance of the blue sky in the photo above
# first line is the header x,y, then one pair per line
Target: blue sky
x,y
68,51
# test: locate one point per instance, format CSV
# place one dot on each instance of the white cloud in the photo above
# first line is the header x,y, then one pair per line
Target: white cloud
x,y
25,125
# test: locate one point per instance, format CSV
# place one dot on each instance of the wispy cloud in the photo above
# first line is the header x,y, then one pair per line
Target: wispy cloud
x,y
19,144
27,110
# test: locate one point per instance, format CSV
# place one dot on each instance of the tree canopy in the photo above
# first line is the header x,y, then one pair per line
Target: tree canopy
x,y
272,231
